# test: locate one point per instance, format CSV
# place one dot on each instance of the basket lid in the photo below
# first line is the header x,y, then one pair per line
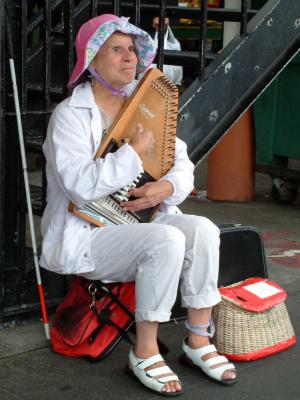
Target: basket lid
x,y
254,294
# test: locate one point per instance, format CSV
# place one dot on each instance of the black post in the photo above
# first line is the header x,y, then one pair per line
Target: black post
x,y
116,7
2,155
47,14
69,41
161,34
47,53
93,8
244,17
137,12
202,50
23,56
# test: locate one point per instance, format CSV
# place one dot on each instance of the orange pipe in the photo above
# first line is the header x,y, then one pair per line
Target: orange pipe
x,y
230,174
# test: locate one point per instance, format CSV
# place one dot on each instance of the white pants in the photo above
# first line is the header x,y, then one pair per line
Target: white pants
x,y
157,256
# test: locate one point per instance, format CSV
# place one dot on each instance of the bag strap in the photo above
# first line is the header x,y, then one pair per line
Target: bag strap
x,y
103,319
101,286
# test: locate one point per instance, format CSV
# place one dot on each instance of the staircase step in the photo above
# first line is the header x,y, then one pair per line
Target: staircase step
x,y
56,92
36,198
34,140
233,81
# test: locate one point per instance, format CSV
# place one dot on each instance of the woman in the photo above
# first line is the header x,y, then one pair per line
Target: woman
x,y
173,248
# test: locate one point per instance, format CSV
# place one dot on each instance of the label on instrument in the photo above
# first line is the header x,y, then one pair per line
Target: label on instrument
x,y
145,110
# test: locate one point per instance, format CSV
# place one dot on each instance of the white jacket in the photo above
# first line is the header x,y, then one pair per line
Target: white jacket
x,y
73,136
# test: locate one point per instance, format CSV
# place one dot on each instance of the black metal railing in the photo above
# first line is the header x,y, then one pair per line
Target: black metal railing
x,y
2,156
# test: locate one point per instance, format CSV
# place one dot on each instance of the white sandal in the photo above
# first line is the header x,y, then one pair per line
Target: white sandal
x,y
149,378
193,358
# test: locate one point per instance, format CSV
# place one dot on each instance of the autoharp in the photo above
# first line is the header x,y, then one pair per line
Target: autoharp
x,y
154,104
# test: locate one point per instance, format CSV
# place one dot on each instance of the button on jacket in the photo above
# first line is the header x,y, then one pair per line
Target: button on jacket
x,y
73,137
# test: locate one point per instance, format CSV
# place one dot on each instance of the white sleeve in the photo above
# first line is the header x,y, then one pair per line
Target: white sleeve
x,y
68,148
181,175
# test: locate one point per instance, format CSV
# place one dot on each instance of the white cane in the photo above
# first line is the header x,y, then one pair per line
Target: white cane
x,y
26,181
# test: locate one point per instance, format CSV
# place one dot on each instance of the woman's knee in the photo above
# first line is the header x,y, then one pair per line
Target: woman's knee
x,y
164,250
172,238
206,229
201,233
168,244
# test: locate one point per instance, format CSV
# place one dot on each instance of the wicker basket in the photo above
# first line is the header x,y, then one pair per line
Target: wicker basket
x,y
247,334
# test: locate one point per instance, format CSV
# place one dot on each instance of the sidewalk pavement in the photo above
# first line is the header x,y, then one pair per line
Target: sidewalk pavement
x,y
29,370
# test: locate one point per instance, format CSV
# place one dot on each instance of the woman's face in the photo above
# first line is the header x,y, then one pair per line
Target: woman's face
x,y
116,60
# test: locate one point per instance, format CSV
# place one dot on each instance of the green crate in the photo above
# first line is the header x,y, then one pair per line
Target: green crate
x,y
277,118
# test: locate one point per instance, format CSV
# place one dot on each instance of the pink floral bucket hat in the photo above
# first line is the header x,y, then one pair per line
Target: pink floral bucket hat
x,y
96,31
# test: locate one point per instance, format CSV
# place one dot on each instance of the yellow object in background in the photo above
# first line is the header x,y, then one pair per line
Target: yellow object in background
x,y
211,3
195,4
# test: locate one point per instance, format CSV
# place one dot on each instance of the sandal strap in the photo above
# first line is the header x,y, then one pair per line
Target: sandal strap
x,y
150,361
170,378
211,362
201,352
143,363
159,371
217,373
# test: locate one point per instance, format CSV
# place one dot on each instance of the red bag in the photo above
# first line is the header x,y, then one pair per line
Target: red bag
x,y
93,318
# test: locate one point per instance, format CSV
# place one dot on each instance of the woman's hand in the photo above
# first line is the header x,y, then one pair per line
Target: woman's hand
x,y
149,195
142,141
